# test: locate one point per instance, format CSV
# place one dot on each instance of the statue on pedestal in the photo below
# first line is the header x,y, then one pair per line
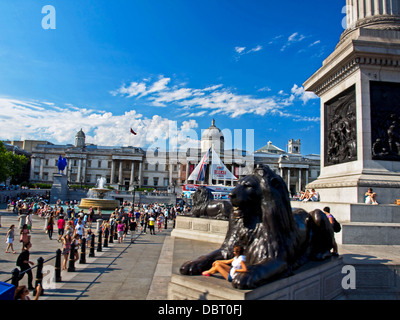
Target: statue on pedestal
x,y
276,240
61,165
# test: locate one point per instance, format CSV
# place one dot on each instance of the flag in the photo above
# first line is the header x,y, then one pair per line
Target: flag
x,y
199,173
219,170
133,132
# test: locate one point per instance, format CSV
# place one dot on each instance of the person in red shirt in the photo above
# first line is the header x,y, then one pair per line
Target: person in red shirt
x,y
61,227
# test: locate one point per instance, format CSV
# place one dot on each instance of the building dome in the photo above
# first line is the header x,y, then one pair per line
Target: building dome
x,y
212,136
80,134
80,139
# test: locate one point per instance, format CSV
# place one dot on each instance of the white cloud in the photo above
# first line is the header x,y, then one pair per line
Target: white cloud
x,y
28,120
293,38
315,43
218,100
240,51
141,89
296,37
255,49
301,94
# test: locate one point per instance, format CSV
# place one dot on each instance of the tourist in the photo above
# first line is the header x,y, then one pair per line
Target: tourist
x,y
229,268
25,265
70,228
88,237
50,226
67,240
151,224
370,197
24,236
132,228
141,220
120,230
331,218
146,220
125,221
79,228
159,222
304,195
76,239
10,239
90,218
310,196
314,196
28,220
61,227
22,293
99,212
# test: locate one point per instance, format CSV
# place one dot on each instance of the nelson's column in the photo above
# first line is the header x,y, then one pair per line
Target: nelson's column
x,y
359,87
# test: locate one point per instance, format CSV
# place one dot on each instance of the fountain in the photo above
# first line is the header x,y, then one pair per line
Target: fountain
x,y
96,197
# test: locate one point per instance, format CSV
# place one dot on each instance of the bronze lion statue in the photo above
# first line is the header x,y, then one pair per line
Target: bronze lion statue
x,y
276,240
204,205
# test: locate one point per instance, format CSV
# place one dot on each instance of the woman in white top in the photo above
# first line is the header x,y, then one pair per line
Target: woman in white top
x,y
229,268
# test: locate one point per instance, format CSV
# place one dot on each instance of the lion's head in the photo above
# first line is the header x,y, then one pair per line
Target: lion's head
x,y
201,199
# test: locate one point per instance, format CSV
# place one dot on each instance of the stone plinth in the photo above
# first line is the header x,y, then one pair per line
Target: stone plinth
x,y
350,84
314,281
202,229
362,224
59,189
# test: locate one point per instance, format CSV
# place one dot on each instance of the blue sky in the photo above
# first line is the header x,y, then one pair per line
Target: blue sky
x,y
164,67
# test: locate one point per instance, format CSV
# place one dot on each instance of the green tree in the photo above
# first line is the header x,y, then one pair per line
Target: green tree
x,y
11,165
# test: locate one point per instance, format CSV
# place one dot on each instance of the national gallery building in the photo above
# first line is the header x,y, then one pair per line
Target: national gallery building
x,y
126,167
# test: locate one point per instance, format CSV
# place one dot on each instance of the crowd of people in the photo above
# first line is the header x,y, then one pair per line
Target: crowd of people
x,y
73,224
308,195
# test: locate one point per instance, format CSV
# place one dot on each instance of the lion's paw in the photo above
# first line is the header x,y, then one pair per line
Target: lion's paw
x,y
191,268
244,281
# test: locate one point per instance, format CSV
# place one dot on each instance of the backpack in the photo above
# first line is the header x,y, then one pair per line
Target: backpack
x,y
336,225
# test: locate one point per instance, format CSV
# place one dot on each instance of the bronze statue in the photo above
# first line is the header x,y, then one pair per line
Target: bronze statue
x,y
340,128
276,240
204,205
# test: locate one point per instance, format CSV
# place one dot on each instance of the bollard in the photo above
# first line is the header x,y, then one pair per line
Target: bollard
x,y
39,275
99,242
71,264
15,277
22,220
82,259
111,234
115,232
106,233
58,266
91,252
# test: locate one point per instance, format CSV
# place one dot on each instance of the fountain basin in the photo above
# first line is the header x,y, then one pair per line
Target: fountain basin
x,y
96,198
104,204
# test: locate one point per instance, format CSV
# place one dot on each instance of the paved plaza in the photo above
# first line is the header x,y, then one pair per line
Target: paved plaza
x,y
142,270
126,271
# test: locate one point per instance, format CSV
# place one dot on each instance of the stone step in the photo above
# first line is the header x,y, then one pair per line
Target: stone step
x,y
373,213
377,272
370,233
355,212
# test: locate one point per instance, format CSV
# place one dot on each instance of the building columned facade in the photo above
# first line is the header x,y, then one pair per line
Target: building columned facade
x,y
126,167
